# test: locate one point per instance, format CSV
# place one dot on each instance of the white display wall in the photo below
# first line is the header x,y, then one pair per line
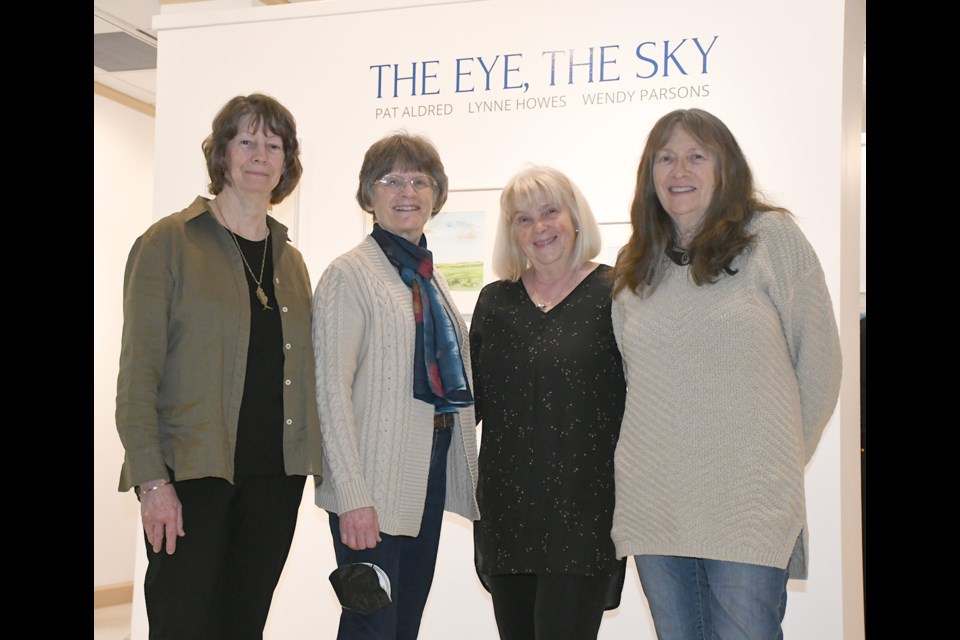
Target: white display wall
x,y
498,84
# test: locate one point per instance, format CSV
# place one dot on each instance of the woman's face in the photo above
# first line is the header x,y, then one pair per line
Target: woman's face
x,y
684,174
545,232
254,160
404,211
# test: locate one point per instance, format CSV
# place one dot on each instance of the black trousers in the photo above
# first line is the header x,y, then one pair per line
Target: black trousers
x,y
219,582
548,606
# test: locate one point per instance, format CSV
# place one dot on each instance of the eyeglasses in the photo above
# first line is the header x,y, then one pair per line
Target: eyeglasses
x,y
396,184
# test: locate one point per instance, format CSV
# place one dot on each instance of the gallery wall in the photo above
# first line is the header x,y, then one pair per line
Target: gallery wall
x,y
778,75
123,147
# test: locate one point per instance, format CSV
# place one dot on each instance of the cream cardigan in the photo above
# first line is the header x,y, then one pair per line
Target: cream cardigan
x,y
377,436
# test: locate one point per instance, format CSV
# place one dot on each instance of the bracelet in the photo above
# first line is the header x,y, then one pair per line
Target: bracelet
x,y
162,483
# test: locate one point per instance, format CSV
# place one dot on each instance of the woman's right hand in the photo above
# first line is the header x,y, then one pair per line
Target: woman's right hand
x,y
161,514
359,528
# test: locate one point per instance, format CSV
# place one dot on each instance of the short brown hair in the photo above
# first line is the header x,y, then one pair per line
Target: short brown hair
x,y
401,151
275,118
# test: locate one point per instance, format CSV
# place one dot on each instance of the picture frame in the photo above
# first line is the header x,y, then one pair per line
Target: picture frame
x,y
461,237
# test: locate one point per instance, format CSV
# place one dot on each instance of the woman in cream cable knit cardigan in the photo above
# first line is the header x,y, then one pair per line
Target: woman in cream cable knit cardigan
x,y
732,358
393,372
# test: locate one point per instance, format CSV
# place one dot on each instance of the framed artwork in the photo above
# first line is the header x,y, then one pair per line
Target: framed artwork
x,y
461,237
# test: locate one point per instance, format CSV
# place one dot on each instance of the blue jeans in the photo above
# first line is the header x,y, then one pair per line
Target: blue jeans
x,y
697,598
408,562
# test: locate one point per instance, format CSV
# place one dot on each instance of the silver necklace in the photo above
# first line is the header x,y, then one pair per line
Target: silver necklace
x,y
261,296
542,306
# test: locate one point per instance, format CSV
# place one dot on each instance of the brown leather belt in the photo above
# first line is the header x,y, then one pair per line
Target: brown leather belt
x,y
443,420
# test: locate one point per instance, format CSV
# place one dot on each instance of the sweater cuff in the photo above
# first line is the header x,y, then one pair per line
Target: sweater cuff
x,y
352,495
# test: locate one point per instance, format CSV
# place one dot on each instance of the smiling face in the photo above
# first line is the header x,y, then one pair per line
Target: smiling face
x,y
545,232
254,160
407,211
684,174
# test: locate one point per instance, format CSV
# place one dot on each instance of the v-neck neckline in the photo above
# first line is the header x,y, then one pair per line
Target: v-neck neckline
x,y
560,303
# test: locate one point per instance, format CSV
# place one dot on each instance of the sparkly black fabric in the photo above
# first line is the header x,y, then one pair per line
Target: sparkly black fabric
x,y
550,390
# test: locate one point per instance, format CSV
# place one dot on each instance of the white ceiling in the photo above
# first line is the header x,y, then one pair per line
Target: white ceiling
x,y
135,18
131,17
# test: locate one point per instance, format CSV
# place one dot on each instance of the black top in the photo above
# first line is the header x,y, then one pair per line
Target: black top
x,y
549,388
259,450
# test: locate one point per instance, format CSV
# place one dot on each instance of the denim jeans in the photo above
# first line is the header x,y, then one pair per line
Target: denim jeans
x,y
408,562
697,598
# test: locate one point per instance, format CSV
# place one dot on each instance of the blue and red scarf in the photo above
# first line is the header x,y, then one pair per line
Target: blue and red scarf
x,y
439,376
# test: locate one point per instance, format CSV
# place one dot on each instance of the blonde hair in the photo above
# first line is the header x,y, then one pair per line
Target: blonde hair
x,y
527,187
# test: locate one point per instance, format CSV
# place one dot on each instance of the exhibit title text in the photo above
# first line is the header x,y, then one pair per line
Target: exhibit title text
x,y
556,67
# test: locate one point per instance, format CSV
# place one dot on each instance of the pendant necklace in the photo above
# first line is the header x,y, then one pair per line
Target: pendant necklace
x,y
542,306
679,255
261,296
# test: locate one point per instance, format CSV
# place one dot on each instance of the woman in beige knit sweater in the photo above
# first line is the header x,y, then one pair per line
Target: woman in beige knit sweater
x,y
732,357
393,389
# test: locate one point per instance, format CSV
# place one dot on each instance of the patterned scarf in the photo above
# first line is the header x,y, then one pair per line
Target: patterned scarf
x,y
438,373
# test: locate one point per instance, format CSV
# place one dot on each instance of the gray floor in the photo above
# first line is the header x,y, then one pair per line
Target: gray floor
x,y
112,623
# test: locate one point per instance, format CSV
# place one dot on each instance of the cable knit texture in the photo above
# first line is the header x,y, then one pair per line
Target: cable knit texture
x,y
729,386
377,436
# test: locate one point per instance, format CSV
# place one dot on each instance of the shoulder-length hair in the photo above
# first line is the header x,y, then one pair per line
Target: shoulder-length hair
x,y
275,118
528,189
401,151
723,231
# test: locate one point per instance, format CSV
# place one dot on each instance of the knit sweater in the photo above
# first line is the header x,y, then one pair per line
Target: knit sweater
x,y
729,386
377,436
